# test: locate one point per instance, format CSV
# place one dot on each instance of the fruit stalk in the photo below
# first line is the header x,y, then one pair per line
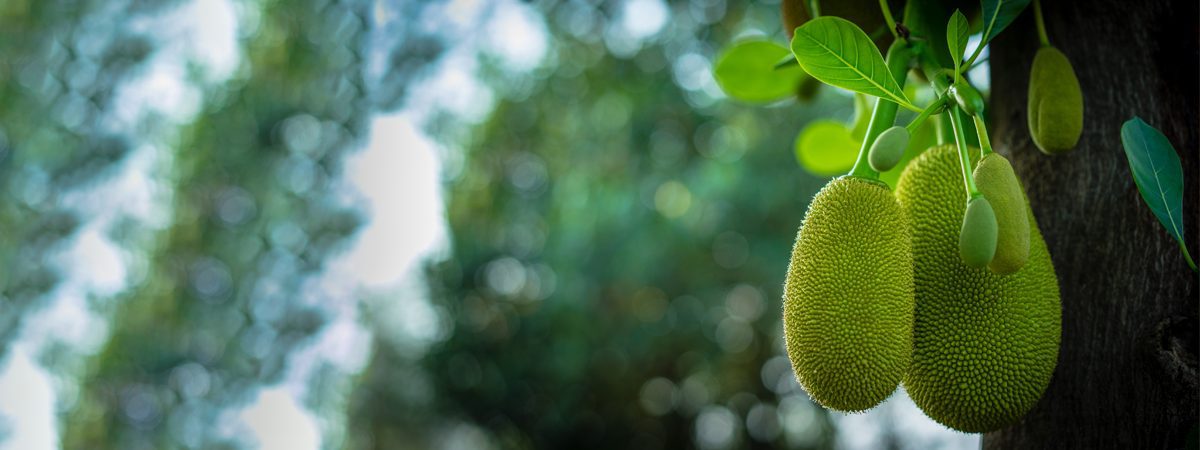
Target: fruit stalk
x,y
985,144
964,159
937,77
887,16
944,133
1041,23
933,108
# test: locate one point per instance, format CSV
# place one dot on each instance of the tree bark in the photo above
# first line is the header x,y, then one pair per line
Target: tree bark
x,y
1127,366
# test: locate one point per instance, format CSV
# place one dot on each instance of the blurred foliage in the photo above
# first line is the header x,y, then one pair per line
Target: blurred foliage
x,y
750,71
232,285
619,229
618,250
58,83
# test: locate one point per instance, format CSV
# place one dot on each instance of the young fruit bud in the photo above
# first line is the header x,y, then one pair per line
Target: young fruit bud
x,y
977,239
888,148
996,180
968,98
1055,102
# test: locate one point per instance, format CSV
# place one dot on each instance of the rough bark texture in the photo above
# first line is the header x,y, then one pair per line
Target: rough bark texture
x,y
1127,368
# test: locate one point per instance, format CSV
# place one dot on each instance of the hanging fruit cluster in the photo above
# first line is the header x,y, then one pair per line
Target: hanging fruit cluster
x,y
936,278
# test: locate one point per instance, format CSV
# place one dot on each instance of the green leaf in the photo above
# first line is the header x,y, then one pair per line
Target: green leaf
x,y
997,14
748,71
956,38
838,53
825,148
1158,175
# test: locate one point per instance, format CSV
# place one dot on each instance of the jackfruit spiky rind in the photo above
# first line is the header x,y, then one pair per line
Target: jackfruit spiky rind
x,y
888,149
1055,106
977,238
848,297
999,183
985,345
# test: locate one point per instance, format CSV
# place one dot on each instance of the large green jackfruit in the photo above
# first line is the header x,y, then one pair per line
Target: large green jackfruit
x,y
985,345
1055,102
848,298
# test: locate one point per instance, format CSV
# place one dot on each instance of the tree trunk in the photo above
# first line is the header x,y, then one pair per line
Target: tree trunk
x,y
1127,367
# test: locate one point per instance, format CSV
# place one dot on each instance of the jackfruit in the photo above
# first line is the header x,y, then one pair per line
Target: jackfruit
x,y
995,178
848,296
977,238
984,345
888,149
1055,102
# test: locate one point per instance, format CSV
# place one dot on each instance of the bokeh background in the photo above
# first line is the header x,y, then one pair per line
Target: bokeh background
x,y
394,224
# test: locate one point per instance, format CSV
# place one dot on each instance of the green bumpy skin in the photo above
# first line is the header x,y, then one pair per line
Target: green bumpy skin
x,y
985,345
995,178
977,237
848,297
1055,102
888,149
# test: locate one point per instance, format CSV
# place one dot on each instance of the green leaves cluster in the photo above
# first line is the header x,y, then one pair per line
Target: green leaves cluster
x,y
839,53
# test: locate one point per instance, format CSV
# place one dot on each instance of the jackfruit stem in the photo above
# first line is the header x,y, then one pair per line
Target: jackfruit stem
x,y
930,110
898,58
1041,23
985,144
945,134
964,158
935,75
938,78
887,17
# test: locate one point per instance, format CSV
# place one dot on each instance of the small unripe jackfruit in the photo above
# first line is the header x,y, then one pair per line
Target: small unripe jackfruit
x,y
848,297
996,180
888,149
984,345
977,238
1055,102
